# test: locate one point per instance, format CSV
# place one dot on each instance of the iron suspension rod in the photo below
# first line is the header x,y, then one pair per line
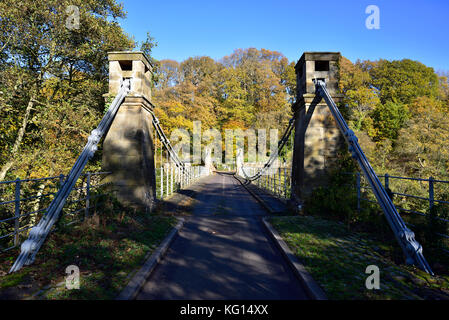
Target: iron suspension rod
x,y
405,237
39,233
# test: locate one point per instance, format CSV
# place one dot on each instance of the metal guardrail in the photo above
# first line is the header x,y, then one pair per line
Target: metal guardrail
x,y
172,179
360,188
177,175
405,237
16,220
276,181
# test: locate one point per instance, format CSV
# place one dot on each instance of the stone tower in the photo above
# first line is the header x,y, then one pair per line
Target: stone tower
x,y
317,138
128,149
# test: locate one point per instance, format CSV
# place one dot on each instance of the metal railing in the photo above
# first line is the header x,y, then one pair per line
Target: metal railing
x,y
24,201
416,204
172,174
277,181
39,232
171,178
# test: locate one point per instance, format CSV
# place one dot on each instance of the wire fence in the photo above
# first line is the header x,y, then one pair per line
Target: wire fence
x,y
23,202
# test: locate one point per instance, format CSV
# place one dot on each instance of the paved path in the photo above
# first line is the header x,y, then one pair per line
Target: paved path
x,y
223,252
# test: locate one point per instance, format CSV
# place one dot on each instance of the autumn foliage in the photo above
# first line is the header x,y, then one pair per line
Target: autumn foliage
x,y
52,80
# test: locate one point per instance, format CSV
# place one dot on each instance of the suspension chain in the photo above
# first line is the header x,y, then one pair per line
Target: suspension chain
x,y
166,142
281,144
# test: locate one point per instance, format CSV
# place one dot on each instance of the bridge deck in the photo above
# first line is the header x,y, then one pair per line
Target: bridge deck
x,y
223,252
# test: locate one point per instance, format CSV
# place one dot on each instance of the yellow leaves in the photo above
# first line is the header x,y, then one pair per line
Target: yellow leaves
x,y
234,124
362,96
176,107
351,76
422,144
422,105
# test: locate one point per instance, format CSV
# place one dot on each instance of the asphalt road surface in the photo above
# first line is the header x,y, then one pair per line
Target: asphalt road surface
x,y
223,252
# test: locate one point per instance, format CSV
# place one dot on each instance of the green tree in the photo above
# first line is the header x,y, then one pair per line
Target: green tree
x,y
389,118
360,97
401,81
422,148
147,48
45,63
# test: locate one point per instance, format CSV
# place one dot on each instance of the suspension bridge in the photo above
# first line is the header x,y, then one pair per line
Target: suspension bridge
x,y
223,251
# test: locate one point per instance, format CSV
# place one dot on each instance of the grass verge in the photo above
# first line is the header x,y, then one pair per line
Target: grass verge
x,y
337,259
107,248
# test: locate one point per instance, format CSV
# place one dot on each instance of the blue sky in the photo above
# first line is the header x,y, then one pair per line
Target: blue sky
x,y
418,30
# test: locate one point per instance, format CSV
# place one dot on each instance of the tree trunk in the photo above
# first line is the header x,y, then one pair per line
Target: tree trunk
x,y
36,206
15,149
5,44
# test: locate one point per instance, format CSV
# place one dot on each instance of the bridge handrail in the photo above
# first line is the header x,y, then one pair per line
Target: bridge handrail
x,y
430,199
430,180
18,213
39,233
28,180
404,178
405,237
